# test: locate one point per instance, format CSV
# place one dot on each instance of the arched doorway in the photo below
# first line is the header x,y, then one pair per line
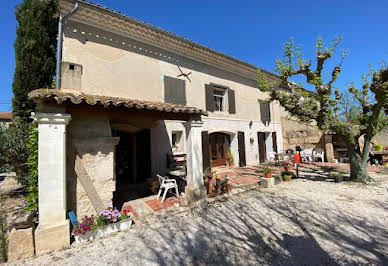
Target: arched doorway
x,y
219,144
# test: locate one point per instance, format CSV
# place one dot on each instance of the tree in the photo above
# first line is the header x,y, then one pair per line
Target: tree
x,y
35,48
14,150
322,105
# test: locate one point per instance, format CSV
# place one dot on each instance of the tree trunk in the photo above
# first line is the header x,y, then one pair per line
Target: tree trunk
x,y
358,161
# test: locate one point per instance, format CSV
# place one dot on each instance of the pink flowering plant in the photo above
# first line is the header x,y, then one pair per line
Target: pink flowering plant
x,y
107,216
87,224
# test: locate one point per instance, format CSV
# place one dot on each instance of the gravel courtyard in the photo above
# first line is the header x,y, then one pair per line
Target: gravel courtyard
x,y
303,222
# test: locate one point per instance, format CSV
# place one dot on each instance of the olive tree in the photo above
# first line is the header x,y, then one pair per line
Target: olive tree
x,y
322,105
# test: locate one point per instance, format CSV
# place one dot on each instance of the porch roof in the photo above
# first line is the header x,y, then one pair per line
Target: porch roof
x,y
71,96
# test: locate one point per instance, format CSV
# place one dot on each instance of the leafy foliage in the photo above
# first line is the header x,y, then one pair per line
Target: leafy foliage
x,y
14,150
35,47
323,105
32,196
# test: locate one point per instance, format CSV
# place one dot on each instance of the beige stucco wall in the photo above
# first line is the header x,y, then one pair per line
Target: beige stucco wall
x,y
114,65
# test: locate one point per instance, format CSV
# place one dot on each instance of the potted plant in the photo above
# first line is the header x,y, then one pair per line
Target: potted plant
x,y
278,178
224,186
231,159
108,221
287,166
267,172
338,178
287,178
208,180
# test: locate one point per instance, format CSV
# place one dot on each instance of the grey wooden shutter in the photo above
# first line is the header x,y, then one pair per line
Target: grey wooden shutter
x,y
265,112
174,90
205,150
209,95
232,101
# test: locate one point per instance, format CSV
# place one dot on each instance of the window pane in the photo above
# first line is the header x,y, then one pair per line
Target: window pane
x,y
219,92
214,148
174,142
218,103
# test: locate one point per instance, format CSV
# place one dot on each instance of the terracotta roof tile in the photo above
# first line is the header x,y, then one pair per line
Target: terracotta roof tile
x,y
75,97
5,116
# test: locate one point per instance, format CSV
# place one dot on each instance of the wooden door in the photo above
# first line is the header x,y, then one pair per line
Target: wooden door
x,y
217,149
262,148
241,149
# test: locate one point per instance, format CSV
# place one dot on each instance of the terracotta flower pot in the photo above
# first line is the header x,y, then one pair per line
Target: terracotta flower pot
x,y
268,175
286,178
210,189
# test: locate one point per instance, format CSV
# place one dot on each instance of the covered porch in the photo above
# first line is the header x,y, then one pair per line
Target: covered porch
x,y
96,150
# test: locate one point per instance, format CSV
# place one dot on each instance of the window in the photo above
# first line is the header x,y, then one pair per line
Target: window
x,y
174,90
265,112
176,141
219,99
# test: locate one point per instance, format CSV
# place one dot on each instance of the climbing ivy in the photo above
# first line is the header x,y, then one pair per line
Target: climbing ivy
x,y
32,195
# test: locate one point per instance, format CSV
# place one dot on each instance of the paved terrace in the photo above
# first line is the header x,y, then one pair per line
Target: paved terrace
x,y
241,179
307,221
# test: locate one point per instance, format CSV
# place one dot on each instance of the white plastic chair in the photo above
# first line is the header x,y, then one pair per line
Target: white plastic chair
x,y
166,184
272,156
307,155
319,153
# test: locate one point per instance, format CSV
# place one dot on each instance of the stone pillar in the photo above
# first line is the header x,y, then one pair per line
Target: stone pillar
x,y
329,150
195,189
53,231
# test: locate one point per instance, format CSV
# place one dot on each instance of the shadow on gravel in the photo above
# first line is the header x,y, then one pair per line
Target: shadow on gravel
x,y
264,228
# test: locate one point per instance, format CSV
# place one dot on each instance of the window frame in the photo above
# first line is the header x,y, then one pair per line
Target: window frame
x,y
179,141
224,96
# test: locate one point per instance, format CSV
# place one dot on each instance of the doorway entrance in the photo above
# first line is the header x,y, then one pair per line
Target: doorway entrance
x,y
219,144
132,165
262,146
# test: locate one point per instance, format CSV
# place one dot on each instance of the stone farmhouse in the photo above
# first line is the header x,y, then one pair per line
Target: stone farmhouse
x,y
132,96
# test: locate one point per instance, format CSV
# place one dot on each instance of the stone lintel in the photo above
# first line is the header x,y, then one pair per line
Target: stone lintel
x,y
193,123
51,118
100,140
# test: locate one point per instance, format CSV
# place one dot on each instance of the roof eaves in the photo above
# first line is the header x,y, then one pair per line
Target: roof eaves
x,y
170,34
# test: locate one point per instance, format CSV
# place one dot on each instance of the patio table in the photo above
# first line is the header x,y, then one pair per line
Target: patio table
x,y
281,156
180,176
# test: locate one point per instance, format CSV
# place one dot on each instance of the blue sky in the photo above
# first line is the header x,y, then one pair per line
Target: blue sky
x,y
253,31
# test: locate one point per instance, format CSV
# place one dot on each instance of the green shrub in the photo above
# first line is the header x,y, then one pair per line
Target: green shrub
x,y
278,177
335,175
267,170
14,150
32,196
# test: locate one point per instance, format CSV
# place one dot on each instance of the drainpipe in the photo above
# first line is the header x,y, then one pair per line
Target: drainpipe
x,y
62,20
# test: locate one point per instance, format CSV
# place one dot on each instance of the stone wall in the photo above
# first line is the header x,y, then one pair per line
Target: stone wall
x,y
90,138
305,135
382,137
